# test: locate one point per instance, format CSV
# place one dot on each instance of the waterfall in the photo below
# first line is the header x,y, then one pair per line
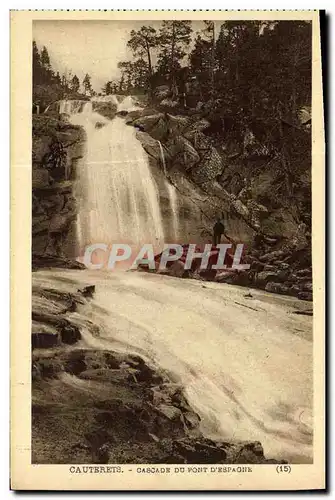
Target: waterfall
x,y
128,104
118,197
172,194
162,157
173,200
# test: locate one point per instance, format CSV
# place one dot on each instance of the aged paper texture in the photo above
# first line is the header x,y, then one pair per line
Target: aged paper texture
x,y
167,244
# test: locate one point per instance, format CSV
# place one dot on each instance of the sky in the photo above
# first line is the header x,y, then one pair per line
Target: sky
x,y
93,47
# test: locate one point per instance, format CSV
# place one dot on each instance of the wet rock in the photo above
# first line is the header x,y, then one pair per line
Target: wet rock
x,y
44,335
182,152
49,261
146,374
99,125
45,368
153,148
150,122
70,334
87,291
48,304
170,412
75,364
191,419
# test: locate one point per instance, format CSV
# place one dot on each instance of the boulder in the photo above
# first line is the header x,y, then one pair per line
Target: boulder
x,y
133,115
277,288
176,269
70,334
182,152
198,139
44,335
177,124
208,169
152,147
149,122
170,412
87,291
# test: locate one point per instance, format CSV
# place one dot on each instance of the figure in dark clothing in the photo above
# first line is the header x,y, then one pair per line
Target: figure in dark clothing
x,y
218,230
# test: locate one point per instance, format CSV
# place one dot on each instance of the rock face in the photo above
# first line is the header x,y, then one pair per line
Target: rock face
x,y
230,177
57,148
101,406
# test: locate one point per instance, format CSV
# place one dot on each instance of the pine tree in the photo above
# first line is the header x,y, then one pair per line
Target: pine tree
x,y
87,84
174,38
141,43
58,78
45,59
126,68
201,65
75,84
37,67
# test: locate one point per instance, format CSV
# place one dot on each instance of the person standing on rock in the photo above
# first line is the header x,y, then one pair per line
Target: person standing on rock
x,y
219,229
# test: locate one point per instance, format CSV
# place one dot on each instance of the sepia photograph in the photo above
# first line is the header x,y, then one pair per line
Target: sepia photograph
x,y
171,233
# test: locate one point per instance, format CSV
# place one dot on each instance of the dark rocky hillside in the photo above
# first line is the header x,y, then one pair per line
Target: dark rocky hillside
x,y
57,147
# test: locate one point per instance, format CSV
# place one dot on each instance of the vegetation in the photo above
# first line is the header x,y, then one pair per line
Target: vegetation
x,y
50,86
250,79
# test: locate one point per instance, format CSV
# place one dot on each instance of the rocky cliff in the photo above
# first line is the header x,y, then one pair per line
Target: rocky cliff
x,y
243,180
57,146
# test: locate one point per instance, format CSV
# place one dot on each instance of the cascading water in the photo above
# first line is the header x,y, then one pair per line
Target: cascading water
x,y
128,104
118,197
68,107
173,199
172,195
